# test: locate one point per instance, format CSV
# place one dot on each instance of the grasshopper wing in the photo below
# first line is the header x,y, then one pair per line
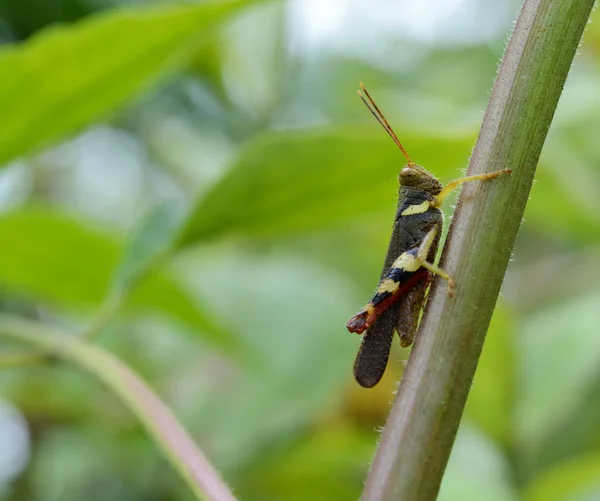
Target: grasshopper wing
x,y
374,350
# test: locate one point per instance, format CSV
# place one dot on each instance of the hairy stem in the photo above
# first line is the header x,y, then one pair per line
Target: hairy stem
x,y
422,425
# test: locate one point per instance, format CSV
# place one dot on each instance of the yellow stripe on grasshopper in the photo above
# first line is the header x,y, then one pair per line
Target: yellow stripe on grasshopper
x,y
416,209
407,261
388,285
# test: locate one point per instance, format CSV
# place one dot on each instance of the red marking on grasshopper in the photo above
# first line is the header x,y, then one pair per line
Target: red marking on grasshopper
x,y
363,320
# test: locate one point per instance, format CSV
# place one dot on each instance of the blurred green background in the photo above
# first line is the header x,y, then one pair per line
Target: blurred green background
x,y
241,124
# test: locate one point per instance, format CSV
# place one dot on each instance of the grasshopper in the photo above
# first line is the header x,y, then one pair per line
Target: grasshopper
x,y
409,265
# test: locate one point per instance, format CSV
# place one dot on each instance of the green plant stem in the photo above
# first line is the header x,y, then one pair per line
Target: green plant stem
x,y
422,425
159,421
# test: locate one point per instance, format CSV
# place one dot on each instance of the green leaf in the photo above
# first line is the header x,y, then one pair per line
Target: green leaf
x,y
70,76
56,258
49,256
301,181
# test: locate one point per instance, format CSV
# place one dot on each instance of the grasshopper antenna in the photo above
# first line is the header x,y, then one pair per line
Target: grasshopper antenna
x,y
381,119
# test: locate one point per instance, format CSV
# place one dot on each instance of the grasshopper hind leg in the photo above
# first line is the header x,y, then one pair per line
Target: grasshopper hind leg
x,y
376,345
409,310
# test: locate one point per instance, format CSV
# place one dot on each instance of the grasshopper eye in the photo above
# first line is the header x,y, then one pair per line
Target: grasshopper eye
x,y
408,172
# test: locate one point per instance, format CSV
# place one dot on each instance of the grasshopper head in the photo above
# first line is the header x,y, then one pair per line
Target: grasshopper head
x,y
415,176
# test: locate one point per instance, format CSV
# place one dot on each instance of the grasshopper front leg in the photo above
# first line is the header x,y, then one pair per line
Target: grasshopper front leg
x,y
452,185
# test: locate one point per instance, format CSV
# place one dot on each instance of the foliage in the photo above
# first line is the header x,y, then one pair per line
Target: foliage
x,y
218,207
